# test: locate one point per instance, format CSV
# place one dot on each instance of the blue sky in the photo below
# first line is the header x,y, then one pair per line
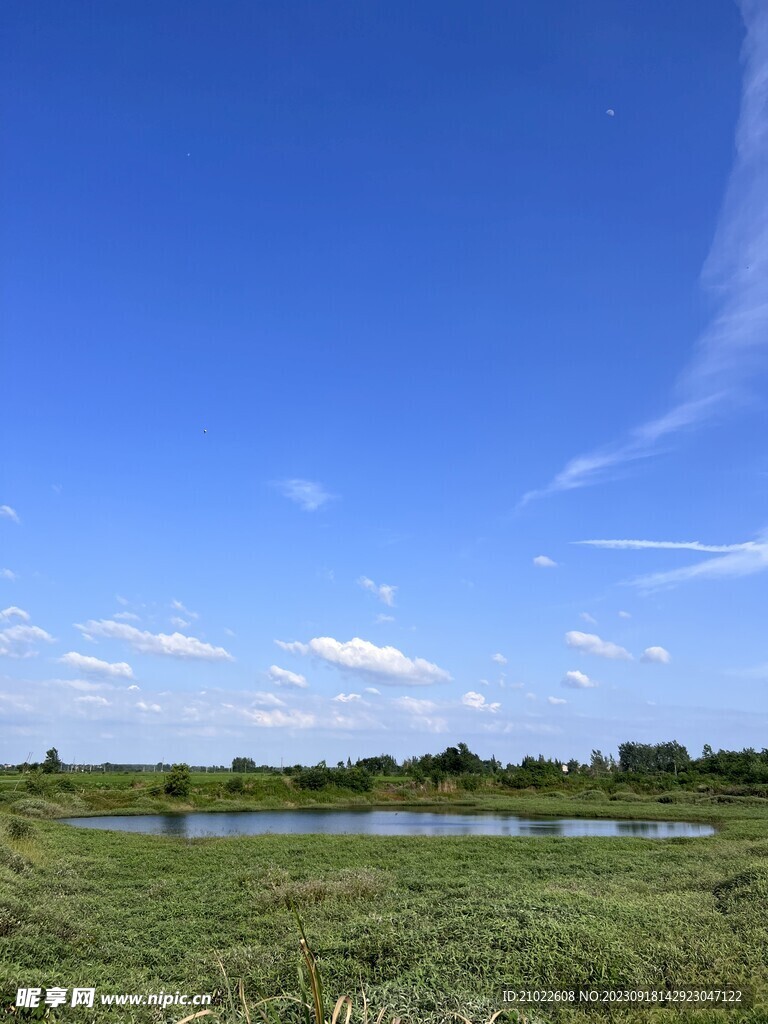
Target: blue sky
x,y
332,331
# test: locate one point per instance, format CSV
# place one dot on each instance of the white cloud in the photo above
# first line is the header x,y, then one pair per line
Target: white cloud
x,y
14,613
729,355
499,659
21,641
179,607
556,700
8,574
144,706
307,494
531,696
176,621
590,619
93,699
134,687
126,617
6,512
386,664
267,700
744,560
590,643
384,592
544,562
662,545
472,699
421,714
624,615
85,663
578,680
229,632
82,684
282,677
384,618
278,719
345,698
656,654
372,689
175,645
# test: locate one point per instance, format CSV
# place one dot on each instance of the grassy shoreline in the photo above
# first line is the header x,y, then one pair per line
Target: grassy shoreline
x,y
426,926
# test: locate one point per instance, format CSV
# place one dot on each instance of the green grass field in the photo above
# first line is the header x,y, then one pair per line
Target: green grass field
x,y
425,927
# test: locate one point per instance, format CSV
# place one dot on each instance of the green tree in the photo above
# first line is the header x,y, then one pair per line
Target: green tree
x,y
243,764
52,762
178,781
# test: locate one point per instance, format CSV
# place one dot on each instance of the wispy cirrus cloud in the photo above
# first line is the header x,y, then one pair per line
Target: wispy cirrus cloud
x,y
8,574
174,645
661,545
384,664
307,494
384,591
734,560
6,512
731,351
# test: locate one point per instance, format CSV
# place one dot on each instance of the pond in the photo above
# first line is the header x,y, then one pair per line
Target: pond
x,y
367,821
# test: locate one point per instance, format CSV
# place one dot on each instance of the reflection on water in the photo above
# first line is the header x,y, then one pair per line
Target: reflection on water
x,y
386,823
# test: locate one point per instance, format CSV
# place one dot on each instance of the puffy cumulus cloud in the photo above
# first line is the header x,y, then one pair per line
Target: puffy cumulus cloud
x,y
471,699
173,645
144,706
134,687
345,698
307,494
499,659
544,562
659,655
282,677
14,613
86,663
577,680
6,512
22,641
279,719
384,592
590,643
94,700
556,700
387,665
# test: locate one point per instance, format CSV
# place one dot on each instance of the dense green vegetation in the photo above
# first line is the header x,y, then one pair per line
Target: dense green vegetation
x,y
424,926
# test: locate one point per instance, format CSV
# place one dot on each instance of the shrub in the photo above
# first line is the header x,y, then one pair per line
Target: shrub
x,y
18,828
235,784
10,859
178,781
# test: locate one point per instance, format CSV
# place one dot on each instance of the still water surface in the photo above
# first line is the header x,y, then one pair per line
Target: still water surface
x,y
384,823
